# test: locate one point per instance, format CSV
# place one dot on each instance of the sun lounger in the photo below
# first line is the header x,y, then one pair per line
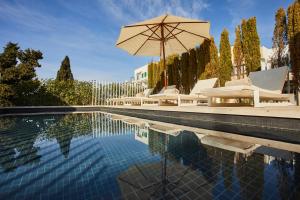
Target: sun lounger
x,y
172,94
262,86
138,99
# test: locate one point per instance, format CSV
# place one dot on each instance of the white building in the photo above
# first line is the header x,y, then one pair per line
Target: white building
x,y
141,75
265,60
266,57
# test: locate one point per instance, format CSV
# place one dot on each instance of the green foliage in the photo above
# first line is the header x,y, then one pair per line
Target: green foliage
x,y
65,73
238,55
8,58
67,92
18,77
176,72
6,95
192,68
279,39
251,45
150,75
184,66
225,66
294,39
211,59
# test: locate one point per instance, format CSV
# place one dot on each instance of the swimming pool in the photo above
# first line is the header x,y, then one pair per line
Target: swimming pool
x,y
99,156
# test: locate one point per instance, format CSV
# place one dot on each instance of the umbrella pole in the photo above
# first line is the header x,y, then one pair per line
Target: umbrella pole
x,y
164,65
164,55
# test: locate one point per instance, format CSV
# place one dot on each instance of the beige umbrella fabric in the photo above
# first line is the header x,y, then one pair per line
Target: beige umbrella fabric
x,y
163,36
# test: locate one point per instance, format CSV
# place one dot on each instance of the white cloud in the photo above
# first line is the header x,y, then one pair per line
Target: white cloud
x,y
129,11
61,31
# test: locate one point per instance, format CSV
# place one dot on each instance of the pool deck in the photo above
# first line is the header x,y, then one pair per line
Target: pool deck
x,y
283,112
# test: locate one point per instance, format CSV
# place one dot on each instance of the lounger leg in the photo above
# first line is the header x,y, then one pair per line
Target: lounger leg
x,y
141,101
179,101
195,102
210,101
159,102
256,98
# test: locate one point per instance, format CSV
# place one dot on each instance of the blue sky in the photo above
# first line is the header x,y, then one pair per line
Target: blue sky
x,y
86,31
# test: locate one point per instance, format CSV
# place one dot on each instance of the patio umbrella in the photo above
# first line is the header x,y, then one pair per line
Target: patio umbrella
x,y
163,36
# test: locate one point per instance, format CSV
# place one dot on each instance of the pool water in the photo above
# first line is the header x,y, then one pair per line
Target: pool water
x,y
94,156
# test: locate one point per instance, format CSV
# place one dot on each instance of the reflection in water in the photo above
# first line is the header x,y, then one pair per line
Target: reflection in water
x,y
17,149
250,173
245,169
100,156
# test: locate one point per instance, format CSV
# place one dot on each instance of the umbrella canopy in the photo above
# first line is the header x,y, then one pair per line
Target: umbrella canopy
x,y
163,36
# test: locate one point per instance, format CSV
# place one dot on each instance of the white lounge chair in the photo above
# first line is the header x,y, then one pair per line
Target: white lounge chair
x,y
261,86
195,95
139,98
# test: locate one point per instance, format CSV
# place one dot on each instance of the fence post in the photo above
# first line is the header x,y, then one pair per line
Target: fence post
x,y
92,92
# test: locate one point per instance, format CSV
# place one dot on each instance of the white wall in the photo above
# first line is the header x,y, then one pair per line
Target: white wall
x,y
141,74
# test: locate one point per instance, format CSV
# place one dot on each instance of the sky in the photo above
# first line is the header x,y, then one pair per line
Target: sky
x,y
87,30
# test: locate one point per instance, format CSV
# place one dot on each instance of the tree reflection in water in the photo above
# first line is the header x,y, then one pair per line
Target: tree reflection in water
x,y
18,136
17,147
67,127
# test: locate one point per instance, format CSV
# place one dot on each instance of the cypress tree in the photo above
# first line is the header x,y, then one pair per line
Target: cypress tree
x,y
279,39
294,40
155,74
65,73
212,64
170,73
184,65
154,78
251,45
203,57
176,76
150,75
170,69
192,68
225,66
238,56
161,75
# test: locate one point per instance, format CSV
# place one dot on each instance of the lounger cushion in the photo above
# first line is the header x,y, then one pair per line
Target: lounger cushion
x,y
244,81
140,94
147,92
162,91
203,84
171,91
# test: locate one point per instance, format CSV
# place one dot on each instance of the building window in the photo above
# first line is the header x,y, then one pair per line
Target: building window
x,y
145,74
